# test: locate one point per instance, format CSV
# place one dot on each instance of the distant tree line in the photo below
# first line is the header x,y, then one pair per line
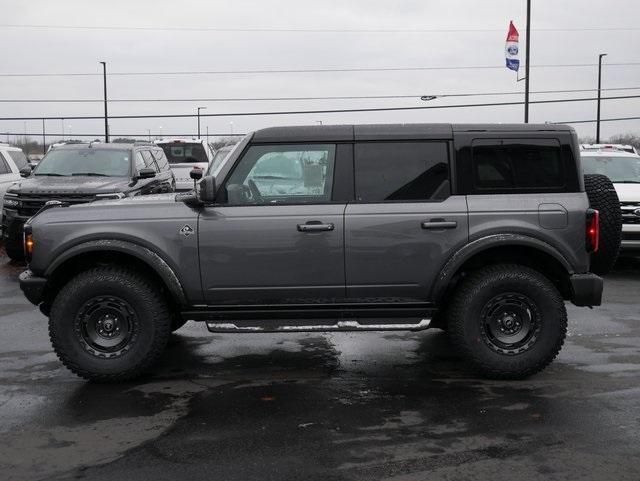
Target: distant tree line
x,y
32,146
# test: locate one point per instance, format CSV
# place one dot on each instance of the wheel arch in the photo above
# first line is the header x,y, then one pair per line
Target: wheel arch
x,y
504,248
106,251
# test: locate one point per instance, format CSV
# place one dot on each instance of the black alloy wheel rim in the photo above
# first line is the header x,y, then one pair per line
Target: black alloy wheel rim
x,y
510,323
106,326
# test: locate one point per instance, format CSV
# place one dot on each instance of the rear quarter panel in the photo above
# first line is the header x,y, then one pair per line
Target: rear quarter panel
x,y
557,219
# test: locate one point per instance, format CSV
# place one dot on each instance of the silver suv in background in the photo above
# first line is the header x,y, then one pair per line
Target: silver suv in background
x,y
184,155
623,168
12,161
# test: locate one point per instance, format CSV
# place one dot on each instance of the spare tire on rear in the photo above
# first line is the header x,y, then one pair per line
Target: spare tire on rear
x,y
603,197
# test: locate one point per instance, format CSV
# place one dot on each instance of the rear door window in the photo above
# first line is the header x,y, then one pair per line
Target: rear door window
x,y
161,159
149,161
513,165
401,171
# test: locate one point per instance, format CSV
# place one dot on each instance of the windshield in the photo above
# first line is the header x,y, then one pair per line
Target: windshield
x,y
184,152
221,154
618,169
85,161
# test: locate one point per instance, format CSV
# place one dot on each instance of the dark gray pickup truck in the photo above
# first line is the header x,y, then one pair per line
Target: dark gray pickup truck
x,y
481,230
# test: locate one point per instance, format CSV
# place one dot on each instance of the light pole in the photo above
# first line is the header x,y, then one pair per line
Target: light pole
x,y
231,125
199,109
526,65
149,134
160,131
106,116
599,87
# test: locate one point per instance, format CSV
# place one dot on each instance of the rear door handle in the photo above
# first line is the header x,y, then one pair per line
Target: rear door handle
x,y
315,226
437,224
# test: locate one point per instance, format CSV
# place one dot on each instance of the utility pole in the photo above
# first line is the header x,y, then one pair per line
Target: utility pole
x,y
526,65
199,109
106,115
599,87
44,143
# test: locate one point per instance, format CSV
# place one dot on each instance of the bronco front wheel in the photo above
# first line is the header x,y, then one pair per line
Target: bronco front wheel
x,y
109,324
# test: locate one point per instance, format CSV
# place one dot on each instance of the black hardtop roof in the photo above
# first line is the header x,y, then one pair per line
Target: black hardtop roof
x,y
346,133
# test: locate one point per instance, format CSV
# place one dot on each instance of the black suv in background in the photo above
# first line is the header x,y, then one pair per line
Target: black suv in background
x,y
80,173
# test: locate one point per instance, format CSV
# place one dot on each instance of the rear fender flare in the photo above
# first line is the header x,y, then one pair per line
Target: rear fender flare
x,y
476,246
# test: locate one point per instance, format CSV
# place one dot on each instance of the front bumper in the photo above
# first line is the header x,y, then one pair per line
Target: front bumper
x,y
12,224
32,286
586,289
630,237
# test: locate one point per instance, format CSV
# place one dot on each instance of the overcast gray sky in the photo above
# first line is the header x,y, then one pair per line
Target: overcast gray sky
x,y
564,31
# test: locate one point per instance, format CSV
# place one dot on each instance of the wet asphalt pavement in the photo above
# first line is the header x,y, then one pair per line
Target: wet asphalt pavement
x,y
332,406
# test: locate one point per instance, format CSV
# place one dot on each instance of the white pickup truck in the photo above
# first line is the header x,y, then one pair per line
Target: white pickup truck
x,y
623,168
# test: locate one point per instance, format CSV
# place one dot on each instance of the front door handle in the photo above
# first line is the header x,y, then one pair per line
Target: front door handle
x,y
315,226
437,224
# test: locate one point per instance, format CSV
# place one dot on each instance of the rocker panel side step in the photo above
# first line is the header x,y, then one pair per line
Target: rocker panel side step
x,y
321,326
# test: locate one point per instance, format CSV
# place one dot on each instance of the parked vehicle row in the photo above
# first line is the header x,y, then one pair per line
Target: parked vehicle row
x,y
481,230
81,173
74,173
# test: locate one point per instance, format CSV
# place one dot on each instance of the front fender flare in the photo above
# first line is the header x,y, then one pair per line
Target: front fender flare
x,y
149,257
484,243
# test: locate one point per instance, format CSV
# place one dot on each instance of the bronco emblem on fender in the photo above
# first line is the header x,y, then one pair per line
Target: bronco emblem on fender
x,y
186,230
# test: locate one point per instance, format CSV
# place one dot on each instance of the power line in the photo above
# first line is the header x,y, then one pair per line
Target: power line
x,y
304,71
617,119
115,136
309,29
319,111
329,97
146,135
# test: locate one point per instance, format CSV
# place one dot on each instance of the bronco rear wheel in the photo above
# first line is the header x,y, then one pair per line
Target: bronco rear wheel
x,y
109,324
508,321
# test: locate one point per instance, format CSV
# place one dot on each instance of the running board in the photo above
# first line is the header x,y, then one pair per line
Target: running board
x,y
352,325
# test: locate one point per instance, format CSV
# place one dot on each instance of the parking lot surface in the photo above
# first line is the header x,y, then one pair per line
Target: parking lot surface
x,y
331,406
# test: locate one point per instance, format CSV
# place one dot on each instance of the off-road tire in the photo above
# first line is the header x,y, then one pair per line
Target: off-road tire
x,y
153,324
602,196
465,322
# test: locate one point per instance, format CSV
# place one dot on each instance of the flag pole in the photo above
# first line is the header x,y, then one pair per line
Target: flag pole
x,y
526,65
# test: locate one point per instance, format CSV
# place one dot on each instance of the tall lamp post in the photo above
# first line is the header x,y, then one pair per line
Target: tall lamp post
x,y
526,65
199,109
599,87
106,116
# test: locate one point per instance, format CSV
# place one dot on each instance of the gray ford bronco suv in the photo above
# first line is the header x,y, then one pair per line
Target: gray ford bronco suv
x,y
481,230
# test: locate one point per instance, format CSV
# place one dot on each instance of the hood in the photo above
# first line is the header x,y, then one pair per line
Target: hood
x,y
168,198
78,184
628,192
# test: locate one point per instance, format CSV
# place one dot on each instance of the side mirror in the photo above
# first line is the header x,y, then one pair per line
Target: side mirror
x,y
208,190
146,173
25,172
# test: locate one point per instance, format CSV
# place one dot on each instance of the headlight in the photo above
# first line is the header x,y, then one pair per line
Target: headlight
x,y
28,242
113,195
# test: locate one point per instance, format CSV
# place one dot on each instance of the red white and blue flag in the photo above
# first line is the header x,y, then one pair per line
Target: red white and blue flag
x,y
511,48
